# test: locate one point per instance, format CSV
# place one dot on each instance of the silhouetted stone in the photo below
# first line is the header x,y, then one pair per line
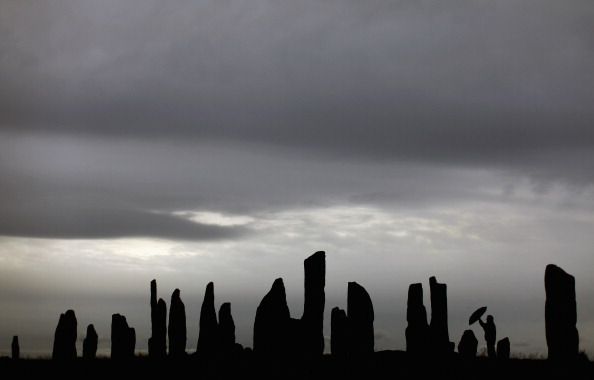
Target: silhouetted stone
x,y
339,332
65,337
503,349
15,348
560,314
90,343
360,320
272,321
123,338
439,338
416,315
157,344
177,326
226,329
313,311
207,337
468,345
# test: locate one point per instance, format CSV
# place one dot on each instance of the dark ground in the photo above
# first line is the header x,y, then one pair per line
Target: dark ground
x,y
382,365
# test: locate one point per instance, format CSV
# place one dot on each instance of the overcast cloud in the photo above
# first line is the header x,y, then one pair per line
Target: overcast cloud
x,y
204,140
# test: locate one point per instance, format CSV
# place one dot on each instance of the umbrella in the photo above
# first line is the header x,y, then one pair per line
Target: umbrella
x,y
477,315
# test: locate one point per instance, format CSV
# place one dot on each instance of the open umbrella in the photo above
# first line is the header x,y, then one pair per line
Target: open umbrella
x,y
477,315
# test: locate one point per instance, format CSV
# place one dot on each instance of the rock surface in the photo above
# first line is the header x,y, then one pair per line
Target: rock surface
x,y
560,314
360,320
315,298
65,337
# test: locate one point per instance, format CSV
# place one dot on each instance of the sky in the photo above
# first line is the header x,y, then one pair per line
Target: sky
x,y
228,140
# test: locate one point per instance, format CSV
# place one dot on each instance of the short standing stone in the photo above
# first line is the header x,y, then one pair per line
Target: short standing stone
x,y
123,338
15,348
65,337
339,332
226,329
468,345
90,343
503,349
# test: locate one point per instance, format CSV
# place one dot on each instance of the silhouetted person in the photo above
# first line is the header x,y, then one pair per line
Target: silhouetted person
x,y
360,320
65,337
339,332
177,326
226,330
416,315
560,314
157,342
272,322
15,348
207,336
90,343
123,338
313,311
468,345
438,328
503,349
490,335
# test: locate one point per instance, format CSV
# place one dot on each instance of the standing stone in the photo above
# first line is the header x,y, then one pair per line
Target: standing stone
x,y
360,320
560,314
226,329
272,322
123,338
90,343
313,311
439,337
468,345
65,337
157,342
503,349
339,332
416,316
177,326
207,337
15,348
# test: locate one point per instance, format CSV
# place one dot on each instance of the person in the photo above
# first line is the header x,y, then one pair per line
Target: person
x,y
490,335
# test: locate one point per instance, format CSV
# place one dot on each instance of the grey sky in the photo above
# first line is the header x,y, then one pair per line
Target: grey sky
x,y
205,140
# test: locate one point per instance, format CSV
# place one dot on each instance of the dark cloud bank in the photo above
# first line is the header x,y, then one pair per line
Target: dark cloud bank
x,y
123,112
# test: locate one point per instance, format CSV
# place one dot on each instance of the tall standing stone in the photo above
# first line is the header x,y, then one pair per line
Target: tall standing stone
x,y
123,338
313,311
177,326
438,329
416,316
360,319
207,337
560,314
271,326
339,332
15,348
157,341
65,337
90,343
226,329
